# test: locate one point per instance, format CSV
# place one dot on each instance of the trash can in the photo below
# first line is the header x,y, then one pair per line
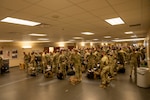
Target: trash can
x,y
143,77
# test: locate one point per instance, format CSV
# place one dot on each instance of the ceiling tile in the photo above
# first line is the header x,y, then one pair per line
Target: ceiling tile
x,y
5,12
15,5
93,4
131,17
108,16
83,16
127,6
119,1
23,15
32,1
71,11
55,15
78,1
103,12
55,4
36,10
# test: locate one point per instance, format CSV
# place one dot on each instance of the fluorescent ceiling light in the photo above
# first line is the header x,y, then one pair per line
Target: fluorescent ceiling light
x,y
77,38
83,44
61,44
6,40
19,21
107,36
91,43
34,34
133,36
71,40
87,33
43,39
123,40
115,21
130,32
95,39
26,46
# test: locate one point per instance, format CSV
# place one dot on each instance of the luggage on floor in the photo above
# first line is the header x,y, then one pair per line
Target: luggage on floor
x,y
90,74
32,71
121,70
4,69
48,72
70,73
60,75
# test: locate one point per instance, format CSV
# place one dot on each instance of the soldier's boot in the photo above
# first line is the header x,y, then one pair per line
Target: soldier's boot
x,y
102,86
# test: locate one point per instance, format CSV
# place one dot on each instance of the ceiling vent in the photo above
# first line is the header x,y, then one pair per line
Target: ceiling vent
x,y
135,25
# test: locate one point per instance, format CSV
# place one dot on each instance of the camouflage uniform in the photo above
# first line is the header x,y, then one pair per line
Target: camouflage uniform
x,y
76,58
44,62
55,62
1,64
62,63
26,61
91,61
104,71
133,64
112,63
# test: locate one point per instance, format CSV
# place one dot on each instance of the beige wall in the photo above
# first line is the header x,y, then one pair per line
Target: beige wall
x,y
5,47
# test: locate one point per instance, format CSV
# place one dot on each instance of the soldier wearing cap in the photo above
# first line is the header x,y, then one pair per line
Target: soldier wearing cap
x,y
104,70
55,62
62,63
26,60
76,58
91,60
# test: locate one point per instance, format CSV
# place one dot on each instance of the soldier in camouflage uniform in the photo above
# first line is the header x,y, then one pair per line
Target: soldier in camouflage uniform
x,y
91,60
76,58
112,63
55,62
104,70
133,64
32,61
26,61
44,62
1,64
62,63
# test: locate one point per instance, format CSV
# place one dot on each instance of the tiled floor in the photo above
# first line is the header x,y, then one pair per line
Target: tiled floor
x,y
16,85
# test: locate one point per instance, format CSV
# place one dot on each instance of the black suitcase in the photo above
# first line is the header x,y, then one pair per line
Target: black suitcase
x,y
90,74
4,69
122,70
70,73
60,75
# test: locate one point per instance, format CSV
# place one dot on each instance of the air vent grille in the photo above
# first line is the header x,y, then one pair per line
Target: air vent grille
x,y
135,25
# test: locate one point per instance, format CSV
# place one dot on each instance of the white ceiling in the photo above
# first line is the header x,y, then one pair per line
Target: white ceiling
x,y
65,19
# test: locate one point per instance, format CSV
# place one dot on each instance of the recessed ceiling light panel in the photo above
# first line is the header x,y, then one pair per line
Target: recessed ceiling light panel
x,y
87,33
77,38
123,40
133,36
6,40
130,32
35,34
19,21
43,39
115,21
95,39
107,36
